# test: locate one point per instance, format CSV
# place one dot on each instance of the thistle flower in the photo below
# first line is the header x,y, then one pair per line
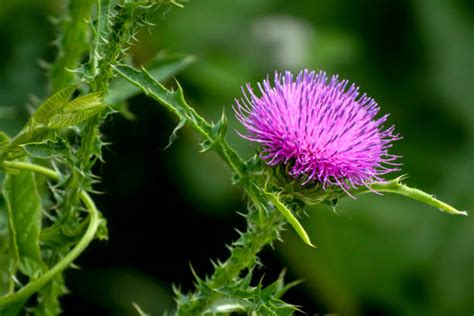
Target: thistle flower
x,y
320,130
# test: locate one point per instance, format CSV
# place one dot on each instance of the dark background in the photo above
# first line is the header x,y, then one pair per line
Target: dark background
x,y
171,209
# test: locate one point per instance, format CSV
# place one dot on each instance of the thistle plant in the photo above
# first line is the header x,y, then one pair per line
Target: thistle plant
x,y
318,140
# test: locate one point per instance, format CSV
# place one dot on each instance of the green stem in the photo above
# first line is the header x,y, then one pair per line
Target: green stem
x,y
263,228
32,167
100,36
72,43
175,102
94,222
261,231
264,222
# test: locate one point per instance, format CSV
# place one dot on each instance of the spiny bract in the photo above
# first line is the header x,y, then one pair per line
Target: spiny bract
x,y
322,131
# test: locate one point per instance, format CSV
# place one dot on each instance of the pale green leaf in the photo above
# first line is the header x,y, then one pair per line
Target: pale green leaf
x,y
31,135
56,113
78,111
50,106
85,102
24,216
47,149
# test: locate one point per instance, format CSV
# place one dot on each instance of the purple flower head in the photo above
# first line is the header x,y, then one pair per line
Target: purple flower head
x,y
321,131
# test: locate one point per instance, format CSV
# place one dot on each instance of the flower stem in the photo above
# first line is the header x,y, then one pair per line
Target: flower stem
x,y
264,225
264,220
261,231
94,222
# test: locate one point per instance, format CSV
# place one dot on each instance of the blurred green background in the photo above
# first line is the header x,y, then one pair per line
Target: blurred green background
x,y
168,209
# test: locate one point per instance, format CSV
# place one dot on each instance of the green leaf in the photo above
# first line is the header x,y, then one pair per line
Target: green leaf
x,y
55,113
51,106
47,149
174,101
24,215
78,110
285,211
31,135
12,309
162,67
396,186
4,248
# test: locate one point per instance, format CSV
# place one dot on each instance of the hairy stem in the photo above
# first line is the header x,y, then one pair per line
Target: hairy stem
x,y
72,44
264,221
261,231
174,101
94,221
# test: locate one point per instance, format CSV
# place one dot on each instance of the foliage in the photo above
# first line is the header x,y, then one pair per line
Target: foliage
x,y
48,217
51,217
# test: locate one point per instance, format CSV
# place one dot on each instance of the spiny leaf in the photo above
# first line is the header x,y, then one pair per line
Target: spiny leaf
x,y
174,101
162,67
